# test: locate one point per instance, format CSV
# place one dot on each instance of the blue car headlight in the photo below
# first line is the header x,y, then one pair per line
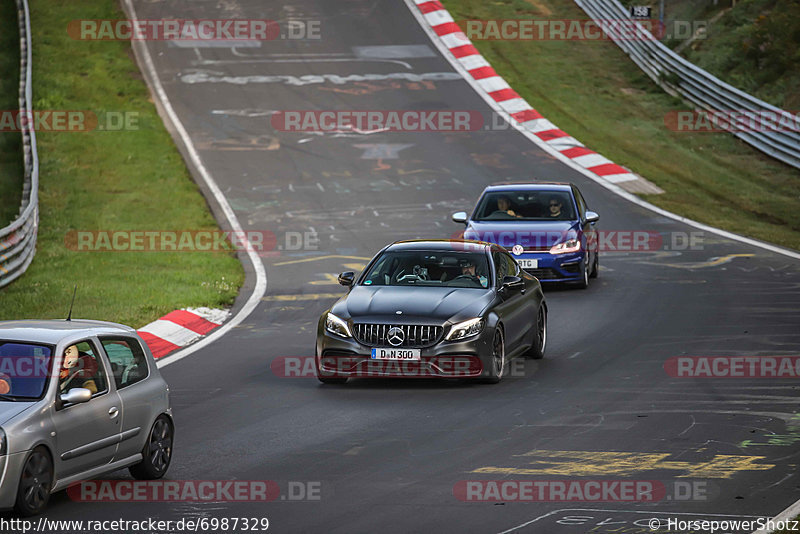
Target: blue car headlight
x,y
466,329
565,247
337,326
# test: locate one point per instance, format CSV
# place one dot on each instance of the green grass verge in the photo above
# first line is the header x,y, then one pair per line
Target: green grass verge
x,y
109,180
755,46
595,93
11,169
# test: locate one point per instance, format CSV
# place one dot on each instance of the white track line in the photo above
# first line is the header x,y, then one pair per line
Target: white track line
x,y
790,513
143,56
476,86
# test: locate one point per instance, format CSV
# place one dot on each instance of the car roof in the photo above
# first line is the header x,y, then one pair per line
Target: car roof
x,y
53,331
438,245
529,186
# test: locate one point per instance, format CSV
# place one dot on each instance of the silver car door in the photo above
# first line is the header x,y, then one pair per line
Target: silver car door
x,y
130,373
87,433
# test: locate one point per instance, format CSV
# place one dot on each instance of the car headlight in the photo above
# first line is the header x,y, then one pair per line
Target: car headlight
x,y
470,328
3,443
334,325
570,245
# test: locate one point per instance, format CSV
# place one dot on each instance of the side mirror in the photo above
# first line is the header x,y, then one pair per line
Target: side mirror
x,y
592,217
512,283
76,396
347,278
460,217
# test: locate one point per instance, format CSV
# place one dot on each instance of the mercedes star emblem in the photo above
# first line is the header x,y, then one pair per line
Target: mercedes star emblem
x,y
395,336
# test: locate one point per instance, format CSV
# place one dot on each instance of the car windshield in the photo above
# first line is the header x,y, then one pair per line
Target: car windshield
x,y
24,369
430,269
526,206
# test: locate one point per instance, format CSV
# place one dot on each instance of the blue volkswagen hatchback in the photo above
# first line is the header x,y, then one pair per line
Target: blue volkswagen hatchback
x,y
547,226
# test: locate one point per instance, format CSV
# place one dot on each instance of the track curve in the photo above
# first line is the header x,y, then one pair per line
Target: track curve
x,y
387,454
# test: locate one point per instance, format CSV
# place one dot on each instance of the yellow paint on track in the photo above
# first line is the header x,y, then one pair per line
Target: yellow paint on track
x,y
301,296
319,258
710,263
601,463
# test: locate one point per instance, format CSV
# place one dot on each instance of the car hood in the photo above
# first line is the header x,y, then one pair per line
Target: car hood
x,y
417,304
529,234
10,409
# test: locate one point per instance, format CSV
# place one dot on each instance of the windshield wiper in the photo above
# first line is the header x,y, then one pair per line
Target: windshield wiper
x,y
8,398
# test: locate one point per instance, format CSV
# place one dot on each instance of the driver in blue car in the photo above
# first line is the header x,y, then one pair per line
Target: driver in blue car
x,y
504,204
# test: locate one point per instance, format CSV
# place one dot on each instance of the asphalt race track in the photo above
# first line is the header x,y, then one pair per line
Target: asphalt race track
x,y
386,455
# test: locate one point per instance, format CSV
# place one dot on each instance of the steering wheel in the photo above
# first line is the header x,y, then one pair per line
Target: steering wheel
x,y
463,276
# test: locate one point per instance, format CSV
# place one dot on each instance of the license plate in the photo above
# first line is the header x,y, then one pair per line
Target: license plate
x,y
395,354
528,264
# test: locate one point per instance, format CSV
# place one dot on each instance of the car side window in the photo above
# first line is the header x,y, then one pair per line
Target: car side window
x,y
81,368
512,268
581,203
500,268
128,362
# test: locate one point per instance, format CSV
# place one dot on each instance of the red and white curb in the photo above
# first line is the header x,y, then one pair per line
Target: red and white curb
x,y
180,328
442,23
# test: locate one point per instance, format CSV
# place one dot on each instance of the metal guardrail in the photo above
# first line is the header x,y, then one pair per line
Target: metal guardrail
x,y
18,239
681,78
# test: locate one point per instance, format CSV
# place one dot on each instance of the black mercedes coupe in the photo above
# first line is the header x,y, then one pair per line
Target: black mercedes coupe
x,y
433,308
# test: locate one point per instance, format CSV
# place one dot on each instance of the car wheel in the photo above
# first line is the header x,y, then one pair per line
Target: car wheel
x,y
595,266
332,380
157,451
498,363
540,337
35,483
584,283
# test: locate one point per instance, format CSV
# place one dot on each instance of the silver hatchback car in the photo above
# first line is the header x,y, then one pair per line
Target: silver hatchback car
x,y
77,399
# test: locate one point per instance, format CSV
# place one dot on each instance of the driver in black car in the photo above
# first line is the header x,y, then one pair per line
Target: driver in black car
x,y
468,269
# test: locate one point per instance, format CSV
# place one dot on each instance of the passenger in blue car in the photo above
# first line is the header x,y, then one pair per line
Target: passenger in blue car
x,y
555,208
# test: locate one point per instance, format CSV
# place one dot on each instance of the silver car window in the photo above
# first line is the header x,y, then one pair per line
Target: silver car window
x,y
86,371
128,362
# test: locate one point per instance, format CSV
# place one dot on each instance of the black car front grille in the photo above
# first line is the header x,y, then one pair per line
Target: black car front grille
x,y
414,335
543,274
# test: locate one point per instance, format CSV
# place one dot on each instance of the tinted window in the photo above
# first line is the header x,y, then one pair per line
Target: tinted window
x,y
24,369
581,203
512,267
128,362
500,267
81,368
429,269
525,206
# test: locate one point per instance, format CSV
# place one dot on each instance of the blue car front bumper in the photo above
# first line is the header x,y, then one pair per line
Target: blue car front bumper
x,y
554,267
